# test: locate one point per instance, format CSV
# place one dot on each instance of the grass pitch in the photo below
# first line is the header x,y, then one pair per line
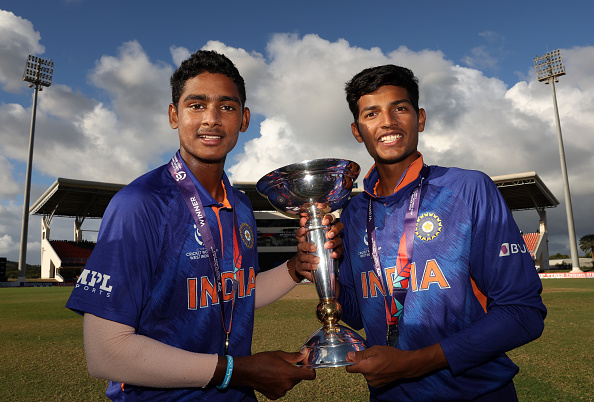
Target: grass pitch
x,y
42,356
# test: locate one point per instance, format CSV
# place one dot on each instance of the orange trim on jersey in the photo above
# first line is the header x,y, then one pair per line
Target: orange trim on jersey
x,y
410,175
481,297
216,209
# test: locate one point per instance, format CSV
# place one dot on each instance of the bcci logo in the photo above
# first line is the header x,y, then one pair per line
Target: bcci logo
x,y
180,175
428,226
247,236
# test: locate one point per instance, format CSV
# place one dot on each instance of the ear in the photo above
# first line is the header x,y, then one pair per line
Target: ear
x,y
355,131
245,120
173,117
422,118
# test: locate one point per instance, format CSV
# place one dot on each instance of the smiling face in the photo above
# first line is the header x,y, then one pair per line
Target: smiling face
x,y
208,118
389,126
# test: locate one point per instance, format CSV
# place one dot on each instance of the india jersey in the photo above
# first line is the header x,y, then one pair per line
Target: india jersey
x,y
150,270
465,239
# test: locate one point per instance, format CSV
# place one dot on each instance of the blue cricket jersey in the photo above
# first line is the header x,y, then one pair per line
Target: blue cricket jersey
x,y
150,270
467,248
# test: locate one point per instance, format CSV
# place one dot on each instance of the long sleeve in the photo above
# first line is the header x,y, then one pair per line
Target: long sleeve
x,y
115,352
273,284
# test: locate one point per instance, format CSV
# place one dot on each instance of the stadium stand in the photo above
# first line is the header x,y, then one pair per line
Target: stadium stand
x,y
64,260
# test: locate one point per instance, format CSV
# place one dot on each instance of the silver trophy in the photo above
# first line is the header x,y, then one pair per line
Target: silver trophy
x,y
313,189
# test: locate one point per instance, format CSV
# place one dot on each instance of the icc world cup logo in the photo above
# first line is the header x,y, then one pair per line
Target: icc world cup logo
x,y
180,175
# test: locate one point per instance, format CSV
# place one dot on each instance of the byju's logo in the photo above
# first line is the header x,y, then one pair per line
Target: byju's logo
x,y
94,281
512,248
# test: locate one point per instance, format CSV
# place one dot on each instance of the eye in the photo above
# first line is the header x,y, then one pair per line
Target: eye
x,y
228,108
196,106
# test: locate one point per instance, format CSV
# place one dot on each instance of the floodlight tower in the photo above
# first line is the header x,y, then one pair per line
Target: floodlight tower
x,y
39,73
548,69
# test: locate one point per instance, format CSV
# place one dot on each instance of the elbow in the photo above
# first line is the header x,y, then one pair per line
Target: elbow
x,y
95,367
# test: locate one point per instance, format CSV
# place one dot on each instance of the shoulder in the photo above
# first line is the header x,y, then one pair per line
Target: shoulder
x,y
355,204
153,190
461,181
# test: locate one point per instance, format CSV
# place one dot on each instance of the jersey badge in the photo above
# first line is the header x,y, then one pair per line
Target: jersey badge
x,y
428,226
247,235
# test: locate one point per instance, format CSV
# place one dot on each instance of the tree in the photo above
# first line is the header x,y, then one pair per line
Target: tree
x,y
587,244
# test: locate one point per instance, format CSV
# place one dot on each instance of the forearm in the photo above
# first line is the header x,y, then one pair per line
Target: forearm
x,y
502,329
114,352
271,285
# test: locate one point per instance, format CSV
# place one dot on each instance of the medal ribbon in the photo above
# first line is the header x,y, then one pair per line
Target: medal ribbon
x,y
194,203
410,222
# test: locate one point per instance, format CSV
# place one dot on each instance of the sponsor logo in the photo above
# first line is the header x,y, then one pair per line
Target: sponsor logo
x,y
94,282
512,248
247,235
428,226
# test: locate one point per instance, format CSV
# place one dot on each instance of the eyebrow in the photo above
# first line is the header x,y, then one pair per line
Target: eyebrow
x,y
220,98
393,103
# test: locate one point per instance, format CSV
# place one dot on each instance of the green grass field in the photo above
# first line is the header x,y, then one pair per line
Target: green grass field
x,y
42,357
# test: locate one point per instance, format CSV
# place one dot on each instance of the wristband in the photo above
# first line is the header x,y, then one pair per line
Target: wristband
x,y
227,374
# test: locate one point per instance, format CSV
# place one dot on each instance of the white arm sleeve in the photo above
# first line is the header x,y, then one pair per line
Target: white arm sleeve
x,y
115,352
273,284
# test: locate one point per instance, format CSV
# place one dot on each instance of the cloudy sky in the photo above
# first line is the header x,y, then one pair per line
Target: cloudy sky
x,y
104,118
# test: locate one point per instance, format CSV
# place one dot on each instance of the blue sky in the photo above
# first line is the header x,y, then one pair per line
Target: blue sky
x,y
104,117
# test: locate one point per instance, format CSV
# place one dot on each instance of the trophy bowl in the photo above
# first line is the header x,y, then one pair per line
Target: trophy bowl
x,y
313,189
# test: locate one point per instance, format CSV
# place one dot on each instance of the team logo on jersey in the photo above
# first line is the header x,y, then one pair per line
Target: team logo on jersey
x,y
247,236
198,236
428,226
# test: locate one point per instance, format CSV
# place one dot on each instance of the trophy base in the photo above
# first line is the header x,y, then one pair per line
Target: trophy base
x,y
328,346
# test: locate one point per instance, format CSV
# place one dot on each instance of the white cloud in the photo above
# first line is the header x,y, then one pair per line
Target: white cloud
x,y
297,90
19,39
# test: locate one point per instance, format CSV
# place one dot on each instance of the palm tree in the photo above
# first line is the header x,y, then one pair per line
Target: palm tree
x,y
587,244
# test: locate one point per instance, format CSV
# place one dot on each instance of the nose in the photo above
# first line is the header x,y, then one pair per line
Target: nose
x,y
389,119
211,117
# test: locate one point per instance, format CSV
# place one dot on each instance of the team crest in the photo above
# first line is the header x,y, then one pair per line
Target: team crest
x,y
428,226
247,236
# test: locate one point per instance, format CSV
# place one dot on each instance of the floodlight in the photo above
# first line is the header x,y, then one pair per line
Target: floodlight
x,y
549,66
548,69
38,71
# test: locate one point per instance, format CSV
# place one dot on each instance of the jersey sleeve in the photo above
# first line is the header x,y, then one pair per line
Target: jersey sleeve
x,y
117,279
347,297
503,271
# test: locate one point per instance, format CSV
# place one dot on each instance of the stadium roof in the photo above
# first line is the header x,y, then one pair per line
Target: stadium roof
x,y
72,198
523,191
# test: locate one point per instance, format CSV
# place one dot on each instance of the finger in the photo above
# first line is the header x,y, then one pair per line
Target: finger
x,y
328,219
352,357
305,247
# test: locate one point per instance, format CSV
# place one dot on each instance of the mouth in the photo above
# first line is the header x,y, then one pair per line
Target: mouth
x,y
209,137
390,138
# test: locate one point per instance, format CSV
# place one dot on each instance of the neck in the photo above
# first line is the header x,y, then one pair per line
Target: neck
x,y
209,174
390,174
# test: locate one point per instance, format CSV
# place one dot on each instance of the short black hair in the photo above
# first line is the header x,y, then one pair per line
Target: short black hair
x,y
200,62
371,79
